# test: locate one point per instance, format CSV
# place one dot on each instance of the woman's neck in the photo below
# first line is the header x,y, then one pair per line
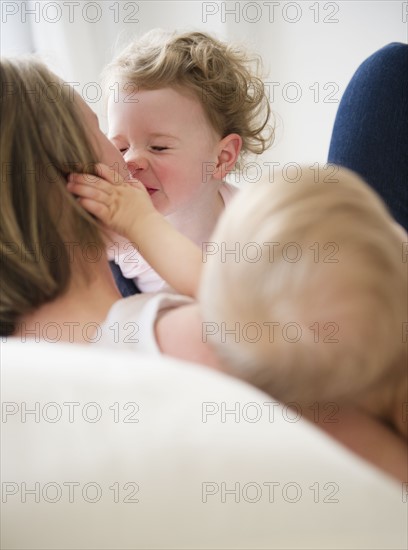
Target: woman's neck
x,y
76,315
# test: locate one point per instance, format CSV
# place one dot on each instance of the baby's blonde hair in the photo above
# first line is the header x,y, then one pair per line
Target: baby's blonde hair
x,y
223,77
319,315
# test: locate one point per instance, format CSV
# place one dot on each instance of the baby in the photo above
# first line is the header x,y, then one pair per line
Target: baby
x,y
183,109
325,318
325,305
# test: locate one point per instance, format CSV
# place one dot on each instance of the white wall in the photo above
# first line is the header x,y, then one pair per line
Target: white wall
x,y
304,44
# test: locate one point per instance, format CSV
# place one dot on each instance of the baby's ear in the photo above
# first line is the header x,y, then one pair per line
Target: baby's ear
x,y
228,152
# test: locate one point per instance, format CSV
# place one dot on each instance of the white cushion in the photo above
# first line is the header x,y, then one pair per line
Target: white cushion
x,y
179,465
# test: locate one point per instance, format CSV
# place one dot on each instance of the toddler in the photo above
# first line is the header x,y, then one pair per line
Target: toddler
x,y
183,109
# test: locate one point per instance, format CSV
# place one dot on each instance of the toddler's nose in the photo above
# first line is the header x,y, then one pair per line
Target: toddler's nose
x,y
136,162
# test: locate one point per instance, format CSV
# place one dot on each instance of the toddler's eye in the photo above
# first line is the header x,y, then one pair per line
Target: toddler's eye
x,y
158,148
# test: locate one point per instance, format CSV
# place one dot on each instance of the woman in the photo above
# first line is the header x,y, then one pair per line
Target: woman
x,y
55,274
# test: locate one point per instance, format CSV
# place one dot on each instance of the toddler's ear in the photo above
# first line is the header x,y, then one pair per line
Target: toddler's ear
x,y
228,151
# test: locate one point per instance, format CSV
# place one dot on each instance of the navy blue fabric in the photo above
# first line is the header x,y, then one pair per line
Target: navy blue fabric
x,y
370,133
126,286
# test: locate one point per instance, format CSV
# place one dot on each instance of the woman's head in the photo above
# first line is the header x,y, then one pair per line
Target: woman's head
x,y
304,288
43,229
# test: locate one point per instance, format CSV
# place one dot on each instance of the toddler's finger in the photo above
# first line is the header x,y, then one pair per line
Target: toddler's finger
x,y
97,209
91,181
109,174
139,185
86,191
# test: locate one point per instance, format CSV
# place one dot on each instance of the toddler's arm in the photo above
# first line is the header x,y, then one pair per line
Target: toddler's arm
x,y
126,208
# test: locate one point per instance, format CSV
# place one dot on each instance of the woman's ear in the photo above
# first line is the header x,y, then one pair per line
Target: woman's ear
x,y
228,152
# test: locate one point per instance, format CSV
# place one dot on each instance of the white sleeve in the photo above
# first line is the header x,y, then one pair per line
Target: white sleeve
x,y
130,322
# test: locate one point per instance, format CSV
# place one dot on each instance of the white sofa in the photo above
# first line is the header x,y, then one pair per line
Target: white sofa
x,y
194,475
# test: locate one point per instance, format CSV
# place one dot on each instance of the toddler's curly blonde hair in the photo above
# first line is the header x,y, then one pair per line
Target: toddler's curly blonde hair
x,y
223,77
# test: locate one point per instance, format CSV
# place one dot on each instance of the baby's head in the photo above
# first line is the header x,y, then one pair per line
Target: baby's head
x,y
304,289
223,78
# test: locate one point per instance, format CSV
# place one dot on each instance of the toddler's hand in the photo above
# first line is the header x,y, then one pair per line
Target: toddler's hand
x,y
126,208
120,205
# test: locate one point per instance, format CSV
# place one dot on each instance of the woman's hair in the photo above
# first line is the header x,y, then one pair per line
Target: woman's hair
x,y
304,288
223,77
42,227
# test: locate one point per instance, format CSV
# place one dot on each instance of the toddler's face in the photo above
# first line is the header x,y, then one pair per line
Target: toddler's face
x,y
167,144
